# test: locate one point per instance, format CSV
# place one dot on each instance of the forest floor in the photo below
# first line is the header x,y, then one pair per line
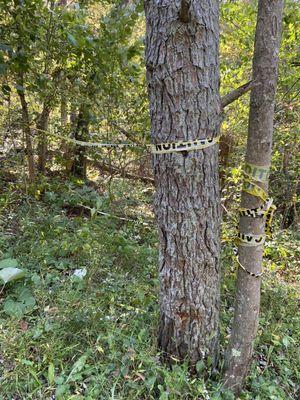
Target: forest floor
x,y
68,336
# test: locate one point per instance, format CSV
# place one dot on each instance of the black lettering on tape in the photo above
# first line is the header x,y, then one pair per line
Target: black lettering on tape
x,y
258,240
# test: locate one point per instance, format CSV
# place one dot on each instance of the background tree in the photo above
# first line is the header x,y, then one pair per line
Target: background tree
x,y
259,148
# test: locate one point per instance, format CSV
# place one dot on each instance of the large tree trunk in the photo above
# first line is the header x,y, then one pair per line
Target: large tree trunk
x,y
259,147
183,79
26,130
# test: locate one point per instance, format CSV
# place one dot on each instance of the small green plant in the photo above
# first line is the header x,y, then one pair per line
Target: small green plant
x,y
19,303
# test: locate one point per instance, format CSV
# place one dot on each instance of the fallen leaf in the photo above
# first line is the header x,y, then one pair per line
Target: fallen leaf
x,y
24,326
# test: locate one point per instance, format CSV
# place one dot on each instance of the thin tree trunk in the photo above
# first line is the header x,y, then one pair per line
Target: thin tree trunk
x,y
259,147
68,148
73,117
63,112
42,126
226,145
79,166
63,119
26,130
183,81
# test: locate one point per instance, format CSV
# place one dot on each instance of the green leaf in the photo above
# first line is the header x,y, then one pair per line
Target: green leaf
x,y
17,307
286,341
27,299
13,308
24,361
61,390
9,262
200,366
78,366
35,376
11,274
51,373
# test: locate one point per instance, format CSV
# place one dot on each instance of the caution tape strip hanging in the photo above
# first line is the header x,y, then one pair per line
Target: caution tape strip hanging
x,y
160,148
255,275
251,187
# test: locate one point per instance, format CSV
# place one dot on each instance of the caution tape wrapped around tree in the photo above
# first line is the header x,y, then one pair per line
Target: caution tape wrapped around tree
x,y
253,175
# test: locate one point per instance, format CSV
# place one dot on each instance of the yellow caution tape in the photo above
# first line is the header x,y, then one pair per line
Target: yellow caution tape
x,y
164,148
160,148
248,239
266,210
255,275
95,144
269,219
252,188
258,173
255,174
259,211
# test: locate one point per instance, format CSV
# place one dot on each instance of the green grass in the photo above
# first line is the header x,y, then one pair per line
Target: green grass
x,y
95,338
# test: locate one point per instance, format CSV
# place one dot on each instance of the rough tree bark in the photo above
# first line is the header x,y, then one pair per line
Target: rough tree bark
x,y
259,147
183,81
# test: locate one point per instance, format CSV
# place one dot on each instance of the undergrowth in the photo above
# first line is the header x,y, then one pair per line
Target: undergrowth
x,y
69,336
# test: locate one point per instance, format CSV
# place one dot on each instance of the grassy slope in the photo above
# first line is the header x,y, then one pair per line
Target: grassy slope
x,y
95,338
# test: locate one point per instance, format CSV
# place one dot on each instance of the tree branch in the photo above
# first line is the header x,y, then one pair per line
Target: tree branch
x,y
129,135
114,170
184,15
237,93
